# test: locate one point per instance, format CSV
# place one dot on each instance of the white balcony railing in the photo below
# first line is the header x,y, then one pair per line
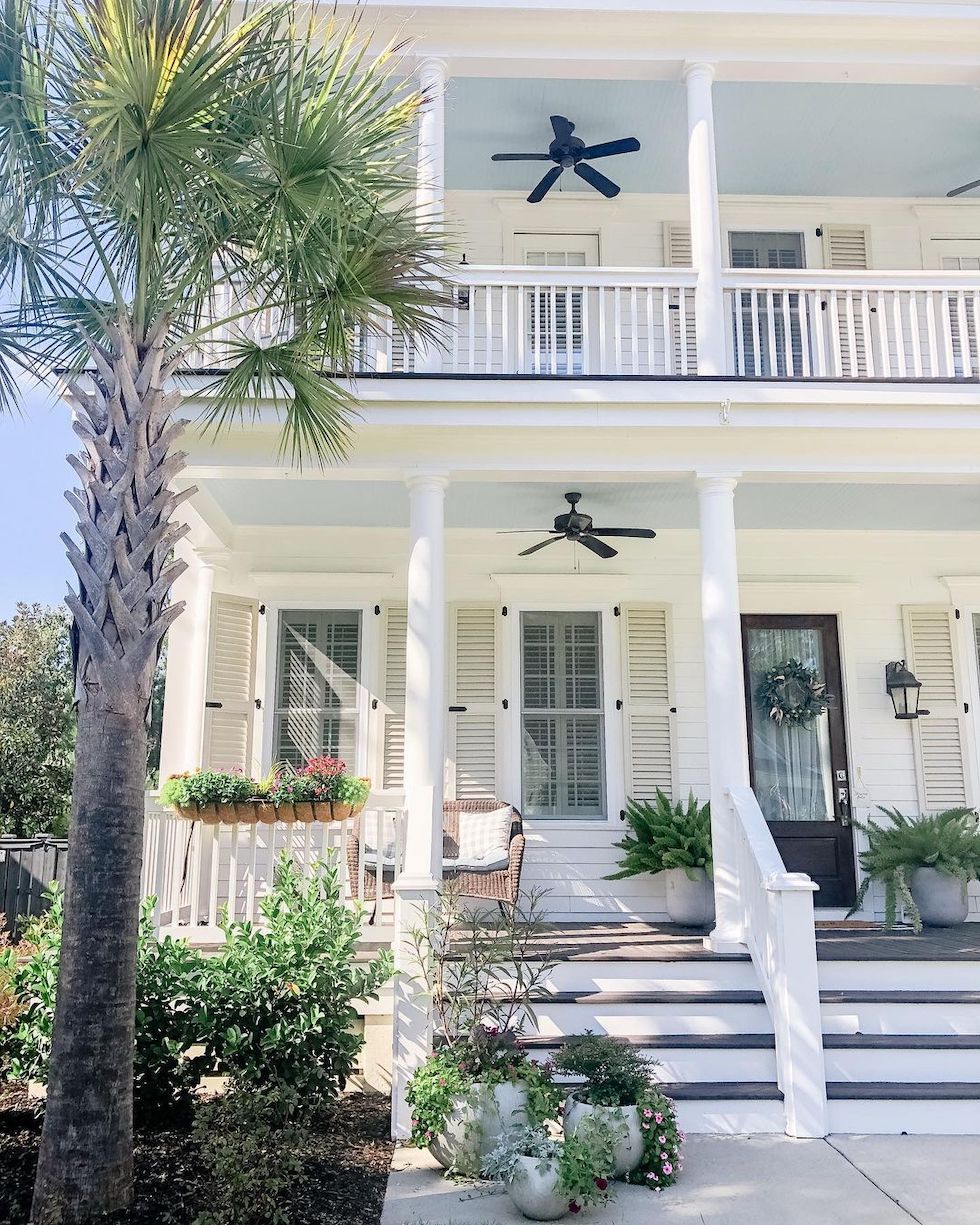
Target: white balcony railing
x,y
616,322
197,871
777,922
866,325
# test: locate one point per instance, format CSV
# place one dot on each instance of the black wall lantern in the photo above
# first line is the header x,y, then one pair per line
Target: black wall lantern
x,y
903,689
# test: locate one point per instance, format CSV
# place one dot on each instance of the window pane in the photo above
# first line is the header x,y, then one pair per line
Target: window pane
x,y
319,665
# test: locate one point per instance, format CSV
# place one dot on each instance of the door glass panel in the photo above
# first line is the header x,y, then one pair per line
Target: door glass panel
x,y
561,717
791,764
555,315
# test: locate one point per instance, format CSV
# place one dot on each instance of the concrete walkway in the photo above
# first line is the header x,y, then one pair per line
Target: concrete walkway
x,y
744,1180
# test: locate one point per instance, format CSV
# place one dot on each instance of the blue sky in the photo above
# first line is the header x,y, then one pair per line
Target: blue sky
x,y
33,510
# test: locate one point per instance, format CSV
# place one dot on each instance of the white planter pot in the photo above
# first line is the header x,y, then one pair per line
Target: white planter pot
x,y
691,903
476,1122
628,1151
941,898
534,1190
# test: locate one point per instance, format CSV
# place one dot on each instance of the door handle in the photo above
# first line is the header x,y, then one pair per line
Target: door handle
x,y
213,705
844,806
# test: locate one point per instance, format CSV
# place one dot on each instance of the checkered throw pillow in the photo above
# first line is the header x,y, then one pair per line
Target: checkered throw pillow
x,y
485,835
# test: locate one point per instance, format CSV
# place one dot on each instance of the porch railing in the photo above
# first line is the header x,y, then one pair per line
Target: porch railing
x,y
195,871
777,919
858,325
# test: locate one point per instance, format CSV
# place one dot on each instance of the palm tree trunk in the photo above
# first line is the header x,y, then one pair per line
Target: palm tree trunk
x,y
125,572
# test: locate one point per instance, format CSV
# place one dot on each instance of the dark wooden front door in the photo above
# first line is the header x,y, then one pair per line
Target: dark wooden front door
x,y
799,771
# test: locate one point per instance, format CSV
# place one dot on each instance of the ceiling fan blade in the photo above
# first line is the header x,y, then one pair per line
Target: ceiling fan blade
x,y
599,547
958,191
542,545
546,184
635,533
597,180
524,531
609,148
520,157
562,128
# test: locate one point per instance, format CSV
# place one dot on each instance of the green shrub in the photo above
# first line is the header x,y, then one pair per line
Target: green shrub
x,y
665,835
205,787
252,1161
615,1074
585,1161
31,974
277,1007
947,841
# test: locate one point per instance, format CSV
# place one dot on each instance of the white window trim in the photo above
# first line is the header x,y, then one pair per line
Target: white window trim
x,y
612,665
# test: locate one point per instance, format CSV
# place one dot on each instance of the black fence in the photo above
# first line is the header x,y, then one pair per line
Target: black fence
x,y
27,867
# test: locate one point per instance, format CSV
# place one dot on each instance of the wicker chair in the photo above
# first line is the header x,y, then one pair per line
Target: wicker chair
x,y
498,885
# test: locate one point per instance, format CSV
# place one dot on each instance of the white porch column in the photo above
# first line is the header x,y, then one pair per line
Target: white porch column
x,y
425,719
430,190
706,249
728,760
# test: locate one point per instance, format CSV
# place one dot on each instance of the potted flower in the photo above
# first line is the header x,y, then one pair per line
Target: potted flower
x,y
617,1080
546,1178
468,1095
925,864
674,839
203,795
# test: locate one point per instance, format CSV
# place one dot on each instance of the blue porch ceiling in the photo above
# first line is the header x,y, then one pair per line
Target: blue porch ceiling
x,y
772,139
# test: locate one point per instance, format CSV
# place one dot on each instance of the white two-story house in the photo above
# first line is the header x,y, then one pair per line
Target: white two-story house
x,y
763,346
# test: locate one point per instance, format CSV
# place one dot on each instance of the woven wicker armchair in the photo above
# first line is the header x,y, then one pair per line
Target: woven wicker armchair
x,y
497,885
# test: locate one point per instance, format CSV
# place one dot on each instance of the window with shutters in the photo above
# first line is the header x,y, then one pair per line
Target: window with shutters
x,y
763,317
317,681
562,734
682,344
556,325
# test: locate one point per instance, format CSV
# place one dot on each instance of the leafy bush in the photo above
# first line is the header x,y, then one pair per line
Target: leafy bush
x,y
31,975
277,1011
252,1161
615,1074
202,788
666,835
585,1161
947,841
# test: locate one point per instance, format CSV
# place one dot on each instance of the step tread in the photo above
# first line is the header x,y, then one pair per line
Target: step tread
x,y
722,1090
711,996
704,1042
904,1042
912,1091
888,996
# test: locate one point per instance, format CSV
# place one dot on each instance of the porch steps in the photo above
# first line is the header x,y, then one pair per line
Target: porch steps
x,y
902,1034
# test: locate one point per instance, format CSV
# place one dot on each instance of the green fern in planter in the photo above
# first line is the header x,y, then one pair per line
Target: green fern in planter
x,y
947,841
665,835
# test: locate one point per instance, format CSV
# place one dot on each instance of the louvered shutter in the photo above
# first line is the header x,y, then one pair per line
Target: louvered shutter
x,y
472,732
229,711
940,738
647,715
393,692
681,358
846,247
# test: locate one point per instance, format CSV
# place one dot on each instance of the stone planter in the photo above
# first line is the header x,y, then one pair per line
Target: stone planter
x,y
534,1192
691,903
476,1123
941,898
625,1120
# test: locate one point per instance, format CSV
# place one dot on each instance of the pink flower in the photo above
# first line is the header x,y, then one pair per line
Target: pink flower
x,y
645,1126
658,1117
653,1177
661,1139
668,1168
648,1114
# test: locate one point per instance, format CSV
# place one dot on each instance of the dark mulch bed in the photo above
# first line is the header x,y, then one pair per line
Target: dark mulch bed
x,y
345,1168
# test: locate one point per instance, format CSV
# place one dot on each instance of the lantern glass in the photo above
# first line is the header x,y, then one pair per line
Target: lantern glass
x,y
903,689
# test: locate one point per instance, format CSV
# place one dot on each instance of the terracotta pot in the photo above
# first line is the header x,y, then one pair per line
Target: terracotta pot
x,y
691,903
941,898
476,1122
534,1191
624,1120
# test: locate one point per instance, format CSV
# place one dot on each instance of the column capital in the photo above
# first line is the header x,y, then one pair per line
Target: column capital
x,y
213,558
423,479
698,68
432,69
716,482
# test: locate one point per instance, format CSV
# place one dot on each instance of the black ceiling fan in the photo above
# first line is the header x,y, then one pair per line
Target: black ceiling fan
x,y
570,153
958,191
577,527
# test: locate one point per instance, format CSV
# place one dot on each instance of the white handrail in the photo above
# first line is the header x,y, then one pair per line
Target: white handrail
x,y
777,920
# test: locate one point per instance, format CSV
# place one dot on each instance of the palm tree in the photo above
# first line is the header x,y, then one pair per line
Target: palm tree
x,y
155,153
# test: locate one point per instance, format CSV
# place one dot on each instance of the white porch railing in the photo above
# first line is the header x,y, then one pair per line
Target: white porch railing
x,y
571,321
195,870
777,919
857,325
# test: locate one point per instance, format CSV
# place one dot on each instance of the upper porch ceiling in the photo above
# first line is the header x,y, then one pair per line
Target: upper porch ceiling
x,y
772,138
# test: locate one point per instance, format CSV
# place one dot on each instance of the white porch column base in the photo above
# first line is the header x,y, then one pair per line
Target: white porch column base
x,y
728,763
430,191
411,1014
706,251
